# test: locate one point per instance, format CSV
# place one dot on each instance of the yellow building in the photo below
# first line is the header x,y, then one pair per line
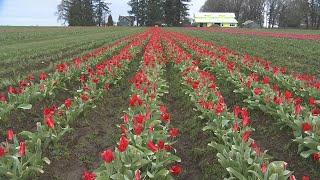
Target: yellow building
x,y
207,19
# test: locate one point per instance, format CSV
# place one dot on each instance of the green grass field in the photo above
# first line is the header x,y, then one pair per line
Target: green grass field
x,y
25,50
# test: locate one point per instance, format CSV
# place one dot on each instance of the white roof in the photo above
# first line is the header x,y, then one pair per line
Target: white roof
x,y
215,14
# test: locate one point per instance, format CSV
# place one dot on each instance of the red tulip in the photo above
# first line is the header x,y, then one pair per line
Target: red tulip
x,y
137,174
195,85
152,146
106,86
135,101
165,117
236,127
12,90
257,91
83,78
88,176
50,122
246,136
63,67
123,144
312,101
68,103
10,135
3,98
30,77
298,109
266,80
305,178
22,149
43,76
2,152
315,112
126,118
77,62
292,177
316,156
84,97
174,132
288,95
306,127
139,118
176,170
264,168
161,144
138,128
108,156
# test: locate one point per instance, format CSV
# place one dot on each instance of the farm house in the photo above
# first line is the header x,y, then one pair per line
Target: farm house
x,y
208,19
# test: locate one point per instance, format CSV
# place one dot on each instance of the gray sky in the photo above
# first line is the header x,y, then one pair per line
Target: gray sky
x,y
42,12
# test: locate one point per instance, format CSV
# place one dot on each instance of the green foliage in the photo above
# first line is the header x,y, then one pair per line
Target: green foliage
x,y
156,12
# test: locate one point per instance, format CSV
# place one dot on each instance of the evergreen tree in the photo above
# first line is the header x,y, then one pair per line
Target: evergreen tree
x,y
110,21
150,12
82,12
101,9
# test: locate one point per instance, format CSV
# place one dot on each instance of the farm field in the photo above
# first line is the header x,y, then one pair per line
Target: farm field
x,y
157,103
40,48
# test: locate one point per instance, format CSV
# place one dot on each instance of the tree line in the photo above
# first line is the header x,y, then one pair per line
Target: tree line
x,y
282,13
84,12
152,12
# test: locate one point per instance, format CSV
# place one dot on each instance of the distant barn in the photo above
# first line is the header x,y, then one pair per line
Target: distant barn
x,y
126,20
208,19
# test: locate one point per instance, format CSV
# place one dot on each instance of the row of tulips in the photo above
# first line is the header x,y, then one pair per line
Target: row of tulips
x,y
302,117
21,154
237,152
314,37
301,85
145,147
33,89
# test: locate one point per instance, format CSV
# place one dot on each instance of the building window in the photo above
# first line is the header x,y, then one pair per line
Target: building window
x,y
232,25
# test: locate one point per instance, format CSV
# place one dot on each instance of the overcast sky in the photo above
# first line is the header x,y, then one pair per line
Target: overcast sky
x,y
42,12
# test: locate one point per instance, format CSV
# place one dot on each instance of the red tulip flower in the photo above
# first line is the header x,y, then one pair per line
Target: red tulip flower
x,y
108,156
123,144
312,101
306,127
126,118
88,176
316,156
266,80
264,168
137,174
68,103
2,152
84,97
50,122
246,136
152,146
43,76
138,128
161,144
257,91
305,178
135,101
176,170
10,135
174,132
22,149
165,117
3,98
288,96
315,111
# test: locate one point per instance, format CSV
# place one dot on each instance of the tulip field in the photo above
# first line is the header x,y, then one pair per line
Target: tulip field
x,y
158,103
